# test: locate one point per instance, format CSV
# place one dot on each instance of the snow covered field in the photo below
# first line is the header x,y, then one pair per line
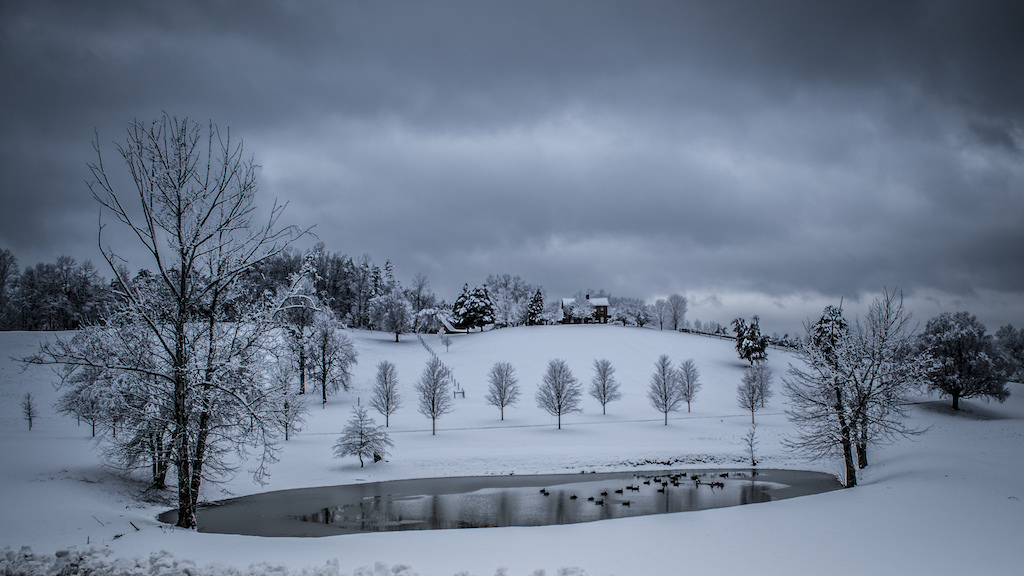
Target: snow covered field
x,y
948,502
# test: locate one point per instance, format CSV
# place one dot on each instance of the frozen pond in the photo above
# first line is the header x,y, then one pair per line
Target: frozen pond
x,y
492,501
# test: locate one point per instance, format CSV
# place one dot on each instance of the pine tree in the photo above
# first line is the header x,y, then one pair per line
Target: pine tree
x,y
751,345
474,309
535,309
459,307
362,437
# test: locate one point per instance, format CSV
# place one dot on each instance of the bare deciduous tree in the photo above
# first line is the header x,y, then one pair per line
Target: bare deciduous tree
x,y
433,390
755,388
193,217
385,396
560,391
661,312
689,381
29,409
502,386
391,313
331,355
818,394
603,386
297,315
750,443
664,391
677,310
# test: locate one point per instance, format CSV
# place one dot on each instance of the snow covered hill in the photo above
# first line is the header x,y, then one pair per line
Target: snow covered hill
x,y
948,502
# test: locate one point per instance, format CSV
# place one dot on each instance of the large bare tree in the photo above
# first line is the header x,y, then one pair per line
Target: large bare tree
x,y
852,388
559,392
664,392
603,386
434,392
502,386
192,212
677,310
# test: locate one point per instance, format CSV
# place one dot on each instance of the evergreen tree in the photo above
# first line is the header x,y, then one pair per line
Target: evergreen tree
x,y
362,437
751,345
535,309
459,307
475,310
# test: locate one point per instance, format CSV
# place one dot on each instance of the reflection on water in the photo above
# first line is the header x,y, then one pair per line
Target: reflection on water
x,y
566,503
494,501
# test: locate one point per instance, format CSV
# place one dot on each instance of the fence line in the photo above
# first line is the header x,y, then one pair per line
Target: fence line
x,y
459,390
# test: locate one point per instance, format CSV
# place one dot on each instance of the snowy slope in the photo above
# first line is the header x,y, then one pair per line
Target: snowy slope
x,y
948,502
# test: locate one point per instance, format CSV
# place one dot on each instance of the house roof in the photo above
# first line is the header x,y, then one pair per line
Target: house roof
x,y
595,301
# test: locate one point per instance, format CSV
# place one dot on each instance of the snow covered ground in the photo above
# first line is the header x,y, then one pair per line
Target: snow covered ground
x,y
948,502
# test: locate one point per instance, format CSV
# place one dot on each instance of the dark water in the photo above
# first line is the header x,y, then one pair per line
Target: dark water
x,y
492,501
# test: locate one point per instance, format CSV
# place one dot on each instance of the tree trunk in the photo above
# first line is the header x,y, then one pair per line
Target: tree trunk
x,y
302,369
956,401
845,439
862,444
396,336
186,516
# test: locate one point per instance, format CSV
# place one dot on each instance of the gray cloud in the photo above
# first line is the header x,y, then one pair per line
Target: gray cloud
x,y
801,151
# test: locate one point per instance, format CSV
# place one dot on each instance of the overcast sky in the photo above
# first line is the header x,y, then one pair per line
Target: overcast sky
x,y
759,157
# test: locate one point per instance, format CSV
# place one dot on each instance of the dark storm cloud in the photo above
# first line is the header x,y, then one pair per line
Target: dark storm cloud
x,y
711,148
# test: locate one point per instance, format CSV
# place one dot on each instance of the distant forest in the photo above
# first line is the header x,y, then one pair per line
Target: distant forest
x,y
66,294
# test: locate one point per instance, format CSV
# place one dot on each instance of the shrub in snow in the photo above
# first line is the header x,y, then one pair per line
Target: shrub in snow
x,y
95,562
